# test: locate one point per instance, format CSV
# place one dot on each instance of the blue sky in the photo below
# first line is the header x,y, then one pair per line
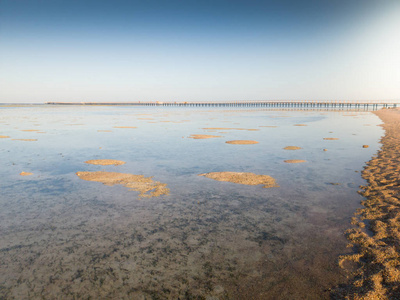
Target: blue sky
x,y
56,50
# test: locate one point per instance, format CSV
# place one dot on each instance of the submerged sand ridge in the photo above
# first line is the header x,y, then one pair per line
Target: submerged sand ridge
x,y
243,178
144,185
378,256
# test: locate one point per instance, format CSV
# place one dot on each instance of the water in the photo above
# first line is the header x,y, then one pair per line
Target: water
x,y
63,237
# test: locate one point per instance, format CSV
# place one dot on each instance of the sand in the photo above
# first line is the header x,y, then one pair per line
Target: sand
x,y
25,173
331,139
299,125
105,162
292,148
294,161
242,178
30,130
203,136
144,185
377,253
4,136
241,142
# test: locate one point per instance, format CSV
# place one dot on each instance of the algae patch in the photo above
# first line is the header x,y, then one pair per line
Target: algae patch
x,y
242,178
105,162
241,142
203,136
294,161
144,185
292,148
25,173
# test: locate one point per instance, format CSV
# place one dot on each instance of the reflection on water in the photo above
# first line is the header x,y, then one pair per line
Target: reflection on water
x,y
63,237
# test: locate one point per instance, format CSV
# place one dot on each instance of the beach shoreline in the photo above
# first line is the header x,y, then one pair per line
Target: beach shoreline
x,y
376,237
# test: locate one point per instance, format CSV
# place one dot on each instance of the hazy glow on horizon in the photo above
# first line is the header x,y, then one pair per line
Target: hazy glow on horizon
x,y
184,50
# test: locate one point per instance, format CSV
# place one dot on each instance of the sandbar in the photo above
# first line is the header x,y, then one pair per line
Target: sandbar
x,y
299,125
105,162
4,136
203,136
378,251
125,127
331,139
144,185
241,142
292,148
243,178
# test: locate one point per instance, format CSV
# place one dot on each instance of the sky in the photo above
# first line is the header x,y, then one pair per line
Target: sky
x,y
117,51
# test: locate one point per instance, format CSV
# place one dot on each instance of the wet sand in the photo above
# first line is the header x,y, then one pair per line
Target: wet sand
x,y
376,237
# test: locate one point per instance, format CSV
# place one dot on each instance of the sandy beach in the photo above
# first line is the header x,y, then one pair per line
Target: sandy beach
x,y
376,237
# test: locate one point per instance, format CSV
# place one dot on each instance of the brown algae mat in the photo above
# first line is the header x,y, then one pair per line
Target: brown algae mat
x,y
377,255
105,162
241,142
203,136
243,178
294,161
292,148
144,185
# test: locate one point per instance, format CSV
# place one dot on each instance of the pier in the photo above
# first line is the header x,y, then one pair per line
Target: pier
x,y
275,104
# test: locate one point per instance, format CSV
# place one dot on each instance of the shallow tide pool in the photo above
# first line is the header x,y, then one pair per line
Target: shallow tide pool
x,y
64,237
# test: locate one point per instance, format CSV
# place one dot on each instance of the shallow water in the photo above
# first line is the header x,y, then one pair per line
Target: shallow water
x,y
63,237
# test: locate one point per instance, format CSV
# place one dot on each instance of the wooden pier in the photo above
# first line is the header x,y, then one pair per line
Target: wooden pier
x,y
275,104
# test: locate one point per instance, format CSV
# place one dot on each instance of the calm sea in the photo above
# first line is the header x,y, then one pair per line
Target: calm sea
x,y
63,237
